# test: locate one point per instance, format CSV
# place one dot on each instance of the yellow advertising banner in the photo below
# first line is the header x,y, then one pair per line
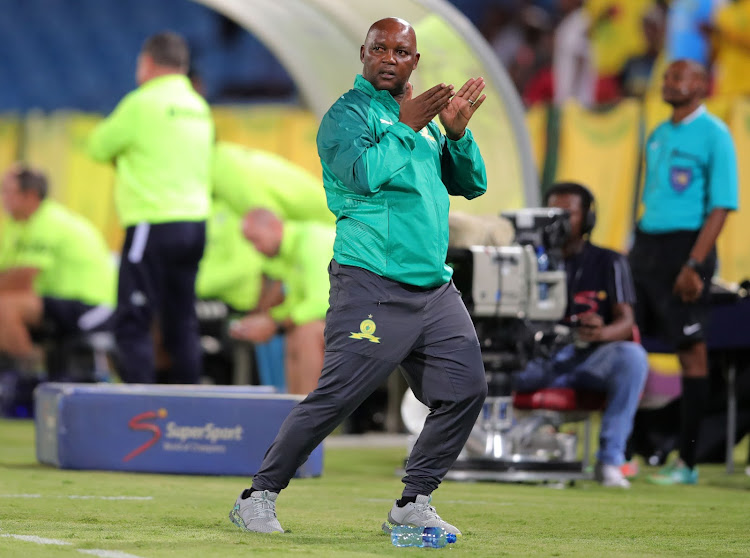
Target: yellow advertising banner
x,y
282,129
536,122
56,143
601,151
10,129
734,255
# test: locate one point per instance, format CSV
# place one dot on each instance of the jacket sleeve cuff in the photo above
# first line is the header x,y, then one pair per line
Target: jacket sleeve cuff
x,y
464,141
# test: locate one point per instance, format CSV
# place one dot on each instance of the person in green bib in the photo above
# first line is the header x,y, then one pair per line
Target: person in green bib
x,y
160,138
245,178
55,266
231,268
297,254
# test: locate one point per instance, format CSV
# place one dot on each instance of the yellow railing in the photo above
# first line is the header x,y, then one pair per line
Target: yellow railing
x,y
602,149
599,148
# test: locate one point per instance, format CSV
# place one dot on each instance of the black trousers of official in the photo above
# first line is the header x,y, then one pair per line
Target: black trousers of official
x,y
372,326
158,267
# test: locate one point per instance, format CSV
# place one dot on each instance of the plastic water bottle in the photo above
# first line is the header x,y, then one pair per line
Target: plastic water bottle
x,y
543,265
424,537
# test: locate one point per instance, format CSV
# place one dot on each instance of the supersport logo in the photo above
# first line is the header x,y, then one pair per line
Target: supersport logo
x,y
136,423
589,299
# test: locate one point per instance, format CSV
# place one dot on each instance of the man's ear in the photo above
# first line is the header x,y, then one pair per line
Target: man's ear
x,y
362,54
416,61
704,88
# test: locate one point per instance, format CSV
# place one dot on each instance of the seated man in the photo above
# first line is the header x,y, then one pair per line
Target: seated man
x,y
600,307
243,179
54,266
299,254
246,179
230,270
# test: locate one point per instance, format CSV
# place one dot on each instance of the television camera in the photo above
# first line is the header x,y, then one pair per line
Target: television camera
x,y
516,296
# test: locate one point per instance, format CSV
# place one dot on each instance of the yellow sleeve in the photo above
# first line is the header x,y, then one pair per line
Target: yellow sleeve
x,y
114,134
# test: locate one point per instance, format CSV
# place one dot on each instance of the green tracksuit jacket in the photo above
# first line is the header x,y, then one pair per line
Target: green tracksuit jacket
x,y
388,186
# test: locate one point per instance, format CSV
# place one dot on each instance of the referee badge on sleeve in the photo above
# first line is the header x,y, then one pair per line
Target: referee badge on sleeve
x,y
680,178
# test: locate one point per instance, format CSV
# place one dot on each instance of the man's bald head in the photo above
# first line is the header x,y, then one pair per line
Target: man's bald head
x,y
389,55
685,83
389,24
264,230
693,68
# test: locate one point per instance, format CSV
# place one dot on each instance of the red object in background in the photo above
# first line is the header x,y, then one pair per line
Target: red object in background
x,y
607,90
540,88
560,399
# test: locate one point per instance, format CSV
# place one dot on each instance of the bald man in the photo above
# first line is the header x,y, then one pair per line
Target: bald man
x,y
690,187
297,255
388,172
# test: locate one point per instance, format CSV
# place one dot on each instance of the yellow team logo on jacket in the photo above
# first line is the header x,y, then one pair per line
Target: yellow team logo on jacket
x,y
366,329
425,133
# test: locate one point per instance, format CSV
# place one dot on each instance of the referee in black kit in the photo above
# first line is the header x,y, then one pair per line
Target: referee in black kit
x,y
690,188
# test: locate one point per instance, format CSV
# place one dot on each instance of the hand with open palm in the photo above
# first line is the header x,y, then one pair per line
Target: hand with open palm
x,y
456,114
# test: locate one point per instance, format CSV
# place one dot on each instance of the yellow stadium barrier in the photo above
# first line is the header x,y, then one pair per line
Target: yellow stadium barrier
x,y
282,129
10,129
734,256
536,122
56,143
601,150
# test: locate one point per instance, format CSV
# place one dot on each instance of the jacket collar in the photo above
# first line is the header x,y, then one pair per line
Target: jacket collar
x,y
382,96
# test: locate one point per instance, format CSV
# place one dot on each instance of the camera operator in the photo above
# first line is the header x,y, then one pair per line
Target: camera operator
x,y
600,312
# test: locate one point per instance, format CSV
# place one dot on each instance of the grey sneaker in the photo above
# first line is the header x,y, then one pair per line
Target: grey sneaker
x,y
418,514
610,475
257,513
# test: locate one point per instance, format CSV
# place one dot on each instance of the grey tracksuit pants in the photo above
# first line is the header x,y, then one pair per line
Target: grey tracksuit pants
x,y
373,325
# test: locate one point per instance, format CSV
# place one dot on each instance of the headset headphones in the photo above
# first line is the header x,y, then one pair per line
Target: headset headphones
x,y
587,201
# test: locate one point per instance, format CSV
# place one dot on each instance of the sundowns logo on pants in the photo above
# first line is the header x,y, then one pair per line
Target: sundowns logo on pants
x,y
366,329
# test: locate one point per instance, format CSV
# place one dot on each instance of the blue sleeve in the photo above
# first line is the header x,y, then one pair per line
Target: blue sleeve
x,y
722,176
349,148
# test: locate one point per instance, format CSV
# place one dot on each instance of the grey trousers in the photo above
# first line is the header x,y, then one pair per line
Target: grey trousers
x,y
372,326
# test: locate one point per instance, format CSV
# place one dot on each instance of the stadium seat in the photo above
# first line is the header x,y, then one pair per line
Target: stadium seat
x,y
575,406
83,357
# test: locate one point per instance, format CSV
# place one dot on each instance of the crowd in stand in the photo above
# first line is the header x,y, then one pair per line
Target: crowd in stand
x,y
552,50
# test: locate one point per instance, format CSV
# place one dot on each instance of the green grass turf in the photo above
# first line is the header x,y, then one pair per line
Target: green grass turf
x,y
340,513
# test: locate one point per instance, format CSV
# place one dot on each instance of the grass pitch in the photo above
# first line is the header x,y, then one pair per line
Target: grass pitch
x,y
339,514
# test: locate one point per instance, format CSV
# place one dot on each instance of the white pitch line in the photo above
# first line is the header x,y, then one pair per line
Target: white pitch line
x,y
77,497
37,540
470,502
109,497
107,553
57,542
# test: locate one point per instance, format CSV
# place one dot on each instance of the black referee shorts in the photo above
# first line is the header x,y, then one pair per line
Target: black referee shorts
x,y
655,261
